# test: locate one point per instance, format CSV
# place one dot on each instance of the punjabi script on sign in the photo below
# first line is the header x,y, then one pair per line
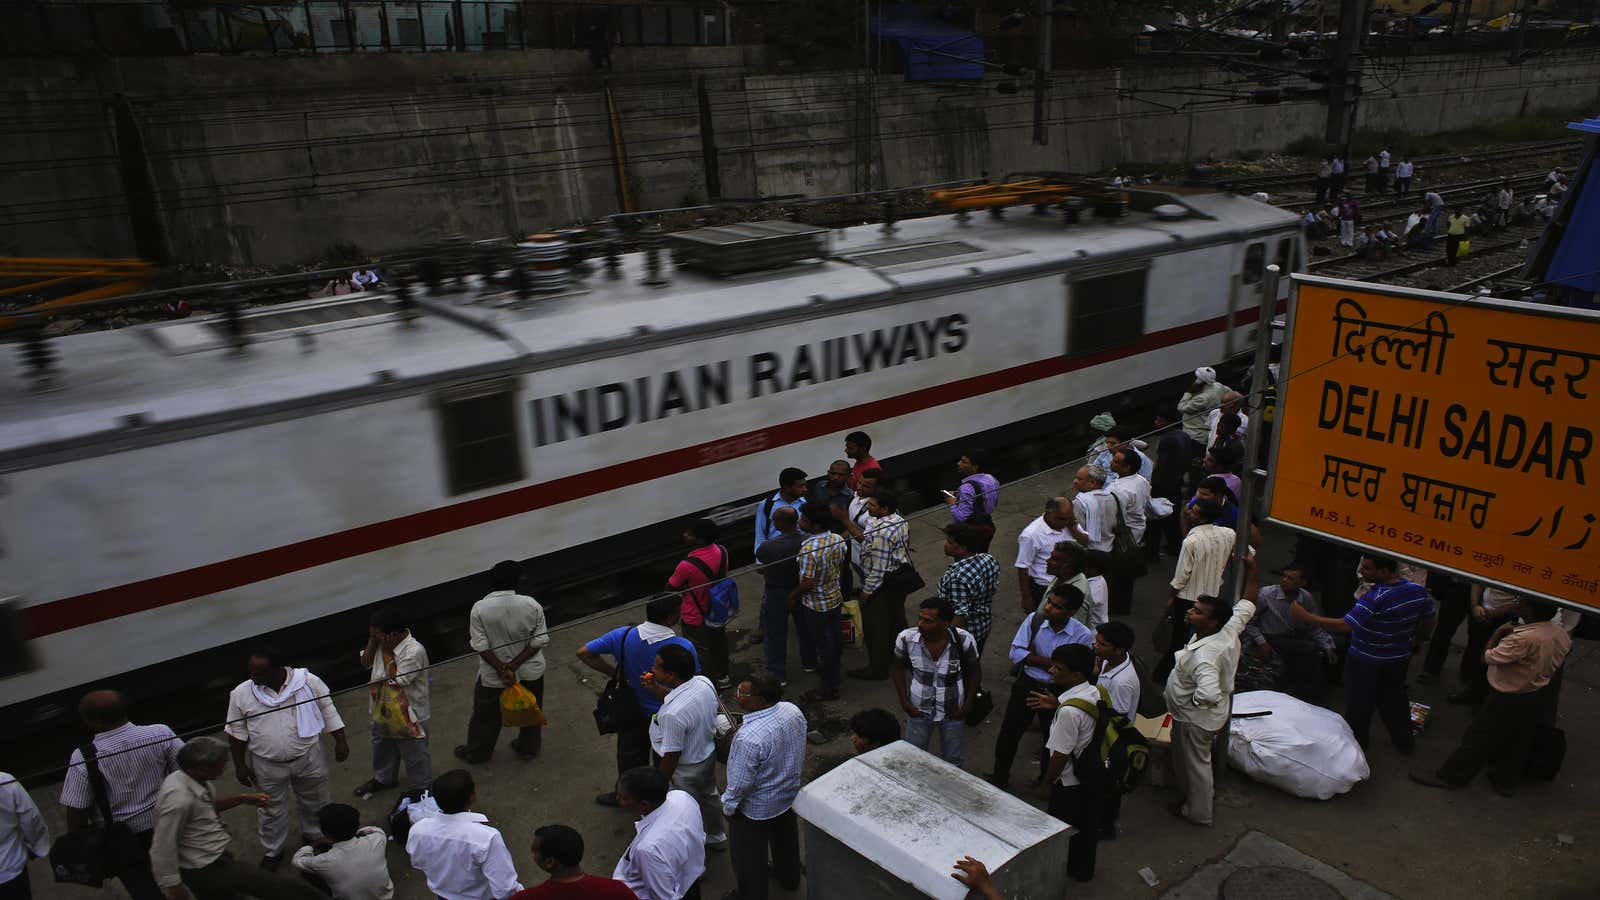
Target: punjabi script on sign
x,y
1500,439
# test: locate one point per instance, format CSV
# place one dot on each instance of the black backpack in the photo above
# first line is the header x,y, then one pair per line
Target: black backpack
x,y
1122,753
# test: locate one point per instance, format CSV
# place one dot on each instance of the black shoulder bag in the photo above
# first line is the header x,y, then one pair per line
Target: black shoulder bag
x,y
90,857
616,707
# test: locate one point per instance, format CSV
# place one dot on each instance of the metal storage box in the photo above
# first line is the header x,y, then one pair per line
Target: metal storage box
x,y
891,823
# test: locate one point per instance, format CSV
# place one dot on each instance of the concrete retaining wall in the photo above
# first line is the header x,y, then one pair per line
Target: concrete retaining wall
x,y
273,160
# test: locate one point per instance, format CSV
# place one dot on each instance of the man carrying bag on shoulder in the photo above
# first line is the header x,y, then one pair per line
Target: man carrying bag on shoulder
x,y
888,578
626,705
109,797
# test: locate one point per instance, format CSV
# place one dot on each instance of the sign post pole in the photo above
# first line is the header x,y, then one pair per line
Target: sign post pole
x,y
1252,434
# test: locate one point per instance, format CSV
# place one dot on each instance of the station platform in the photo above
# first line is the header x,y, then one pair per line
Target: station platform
x,y
1401,838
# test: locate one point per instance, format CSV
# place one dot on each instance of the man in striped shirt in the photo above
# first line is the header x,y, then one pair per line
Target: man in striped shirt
x,y
764,763
1385,626
884,540
1202,561
818,595
133,760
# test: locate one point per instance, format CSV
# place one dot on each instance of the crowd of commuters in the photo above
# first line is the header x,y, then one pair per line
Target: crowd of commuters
x,y
819,547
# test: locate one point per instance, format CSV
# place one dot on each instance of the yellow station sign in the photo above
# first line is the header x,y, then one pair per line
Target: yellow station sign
x,y
1459,432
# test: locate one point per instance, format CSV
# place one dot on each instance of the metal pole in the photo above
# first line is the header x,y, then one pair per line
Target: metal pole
x,y
1252,435
1515,56
1344,85
1041,75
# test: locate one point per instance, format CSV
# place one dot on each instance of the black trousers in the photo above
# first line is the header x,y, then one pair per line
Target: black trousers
x,y
1500,736
711,645
1370,686
1452,243
749,841
1305,667
1016,722
138,880
229,879
483,729
883,617
633,745
1455,605
1079,806
1164,531
1119,593
18,888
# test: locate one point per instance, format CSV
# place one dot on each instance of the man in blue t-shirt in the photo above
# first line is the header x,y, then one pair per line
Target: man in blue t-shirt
x,y
634,648
1385,626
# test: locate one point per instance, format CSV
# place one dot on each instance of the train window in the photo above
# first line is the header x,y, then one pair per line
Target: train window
x,y
1255,262
1107,309
478,426
1285,257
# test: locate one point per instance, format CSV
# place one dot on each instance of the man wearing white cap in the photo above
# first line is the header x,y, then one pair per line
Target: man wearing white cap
x,y
1197,403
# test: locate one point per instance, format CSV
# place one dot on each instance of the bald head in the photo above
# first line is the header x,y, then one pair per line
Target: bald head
x,y
103,710
784,518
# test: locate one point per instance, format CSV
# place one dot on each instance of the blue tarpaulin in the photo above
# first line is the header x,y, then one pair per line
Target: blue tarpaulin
x,y
1576,262
917,34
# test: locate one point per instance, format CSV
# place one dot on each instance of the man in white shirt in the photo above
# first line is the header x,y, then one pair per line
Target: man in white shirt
x,y
1115,671
1034,545
667,857
683,734
508,632
23,836
398,703
352,861
1094,517
276,719
133,760
1202,561
1072,800
462,858
1131,492
1199,693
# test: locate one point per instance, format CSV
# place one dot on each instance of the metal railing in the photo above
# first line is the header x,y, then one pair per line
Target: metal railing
x,y
178,27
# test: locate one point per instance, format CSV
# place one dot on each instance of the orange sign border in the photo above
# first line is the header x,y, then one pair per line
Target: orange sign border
x,y
1285,390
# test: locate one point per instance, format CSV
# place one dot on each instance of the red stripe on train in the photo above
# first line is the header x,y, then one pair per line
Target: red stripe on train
x,y
163,590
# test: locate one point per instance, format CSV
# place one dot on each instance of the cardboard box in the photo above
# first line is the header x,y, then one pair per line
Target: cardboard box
x,y
1157,730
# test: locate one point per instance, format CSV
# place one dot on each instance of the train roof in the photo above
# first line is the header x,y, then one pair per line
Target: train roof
x,y
182,373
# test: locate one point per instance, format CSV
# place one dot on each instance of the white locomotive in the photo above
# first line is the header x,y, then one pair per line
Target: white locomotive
x,y
172,495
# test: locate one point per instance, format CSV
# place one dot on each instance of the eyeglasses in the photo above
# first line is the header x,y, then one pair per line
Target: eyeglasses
x,y
742,695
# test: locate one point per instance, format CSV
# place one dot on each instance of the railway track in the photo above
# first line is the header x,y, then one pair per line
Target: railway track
x,y
1434,162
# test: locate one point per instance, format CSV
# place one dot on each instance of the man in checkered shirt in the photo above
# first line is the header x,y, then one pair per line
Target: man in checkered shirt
x,y
971,581
884,542
818,595
943,664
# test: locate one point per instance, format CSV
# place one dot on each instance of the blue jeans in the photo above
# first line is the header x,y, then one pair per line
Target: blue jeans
x,y
775,626
952,737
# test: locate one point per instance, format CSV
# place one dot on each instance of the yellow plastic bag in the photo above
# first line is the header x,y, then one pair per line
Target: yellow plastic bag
x,y
1462,248
389,713
519,708
850,623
